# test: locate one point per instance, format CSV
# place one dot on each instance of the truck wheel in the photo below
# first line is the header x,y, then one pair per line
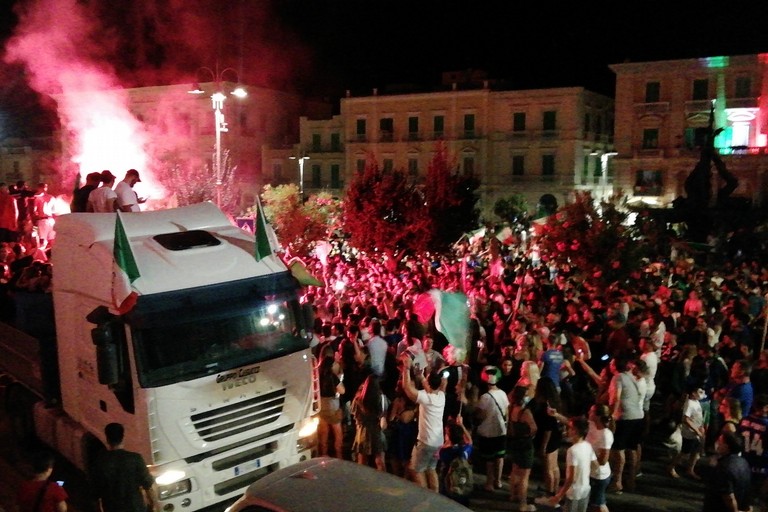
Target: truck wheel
x,y
19,404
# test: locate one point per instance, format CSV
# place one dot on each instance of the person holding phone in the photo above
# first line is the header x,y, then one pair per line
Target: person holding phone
x,y
429,439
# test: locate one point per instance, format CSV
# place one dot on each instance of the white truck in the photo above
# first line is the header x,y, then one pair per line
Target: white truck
x,y
210,372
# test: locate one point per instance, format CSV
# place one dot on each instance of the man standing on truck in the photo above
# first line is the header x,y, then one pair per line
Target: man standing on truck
x,y
121,480
127,199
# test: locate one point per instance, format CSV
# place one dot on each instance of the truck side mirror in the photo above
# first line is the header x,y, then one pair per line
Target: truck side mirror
x,y
107,363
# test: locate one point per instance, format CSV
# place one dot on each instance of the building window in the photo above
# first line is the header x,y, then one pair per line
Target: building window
x,y
598,124
316,142
360,166
518,122
587,123
518,165
413,166
652,92
700,89
585,171
743,87
469,165
277,171
386,128
317,176
548,166
469,125
335,176
648,183
413,128
650,138
696,137
388,165
549,120
438,126
360,129
335,142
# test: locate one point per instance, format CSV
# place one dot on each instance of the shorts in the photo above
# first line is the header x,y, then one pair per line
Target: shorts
x,y
628,434
575,505
330,411
520,450
691,445
597,491
424,457
491,447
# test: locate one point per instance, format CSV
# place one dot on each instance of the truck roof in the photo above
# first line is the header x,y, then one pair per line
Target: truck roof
x,y
83,254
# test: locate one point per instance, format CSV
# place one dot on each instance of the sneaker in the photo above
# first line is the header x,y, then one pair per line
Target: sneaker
x,y
527,508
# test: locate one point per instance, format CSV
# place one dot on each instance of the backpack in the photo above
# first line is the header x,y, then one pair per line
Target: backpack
x,y
459,480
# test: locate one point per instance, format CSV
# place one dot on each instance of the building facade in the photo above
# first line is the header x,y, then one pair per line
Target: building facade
x,y
662,117
530,142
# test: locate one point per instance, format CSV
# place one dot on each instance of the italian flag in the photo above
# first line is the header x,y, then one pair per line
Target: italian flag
x,y
124,271
263,245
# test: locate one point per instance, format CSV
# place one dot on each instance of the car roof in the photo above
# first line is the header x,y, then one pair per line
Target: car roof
x,y
333,484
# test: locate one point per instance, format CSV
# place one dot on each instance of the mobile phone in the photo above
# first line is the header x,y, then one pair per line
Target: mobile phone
x,y
60,482
445,374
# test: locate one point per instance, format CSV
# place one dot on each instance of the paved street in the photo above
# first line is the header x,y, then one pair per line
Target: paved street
x,y
655,492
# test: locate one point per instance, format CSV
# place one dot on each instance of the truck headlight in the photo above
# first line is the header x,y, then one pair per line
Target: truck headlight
x,y
307,434
175,489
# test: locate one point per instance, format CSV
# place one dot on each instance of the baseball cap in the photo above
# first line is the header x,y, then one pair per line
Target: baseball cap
x,y
133,172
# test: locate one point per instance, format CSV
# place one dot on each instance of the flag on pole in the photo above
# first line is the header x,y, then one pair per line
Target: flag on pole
x,y
452,317
263,247
302,274
124,271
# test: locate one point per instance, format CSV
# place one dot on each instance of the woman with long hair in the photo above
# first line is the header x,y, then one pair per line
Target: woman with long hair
x,y
520,432
545,407
368,409
330,416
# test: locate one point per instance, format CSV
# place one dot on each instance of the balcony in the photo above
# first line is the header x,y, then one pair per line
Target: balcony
x,y
651,109
697,106
742,103
386,137
413,136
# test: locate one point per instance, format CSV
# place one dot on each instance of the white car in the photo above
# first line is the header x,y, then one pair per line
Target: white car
x,y
321,484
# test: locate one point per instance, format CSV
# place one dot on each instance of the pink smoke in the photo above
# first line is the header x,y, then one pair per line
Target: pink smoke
x,y
64,56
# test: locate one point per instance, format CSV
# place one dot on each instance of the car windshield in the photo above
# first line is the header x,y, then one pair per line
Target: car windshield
x,y
180,349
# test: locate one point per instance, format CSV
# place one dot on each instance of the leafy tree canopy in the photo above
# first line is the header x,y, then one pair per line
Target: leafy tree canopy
x,y
385,212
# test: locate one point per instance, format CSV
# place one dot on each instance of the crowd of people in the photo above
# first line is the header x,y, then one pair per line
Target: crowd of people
x,y
27,227
556,361
553,359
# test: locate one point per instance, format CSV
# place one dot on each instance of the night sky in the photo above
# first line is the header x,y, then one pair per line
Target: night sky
x,y
327,46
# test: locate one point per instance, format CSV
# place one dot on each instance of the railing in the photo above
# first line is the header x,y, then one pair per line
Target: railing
x,y
644,109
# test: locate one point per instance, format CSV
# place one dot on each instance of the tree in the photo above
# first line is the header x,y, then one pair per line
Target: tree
x,y
192,184
451,199
384,212
512,209
592,239
298,226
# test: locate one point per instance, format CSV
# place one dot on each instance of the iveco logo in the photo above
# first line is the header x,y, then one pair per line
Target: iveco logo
x,y
239,378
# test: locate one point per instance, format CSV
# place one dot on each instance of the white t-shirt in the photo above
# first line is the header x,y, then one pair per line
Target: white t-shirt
x,y
599,439
494,423
126,196
431,406
652,361
377,349
580,457
101,199
692,409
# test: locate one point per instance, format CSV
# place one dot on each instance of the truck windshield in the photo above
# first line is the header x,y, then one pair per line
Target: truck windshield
x,y
185,334
183,350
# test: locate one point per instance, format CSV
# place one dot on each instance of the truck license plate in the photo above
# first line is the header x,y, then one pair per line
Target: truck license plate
x,y
247,467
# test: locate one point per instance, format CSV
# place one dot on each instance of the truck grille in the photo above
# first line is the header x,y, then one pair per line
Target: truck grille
x,y
230,420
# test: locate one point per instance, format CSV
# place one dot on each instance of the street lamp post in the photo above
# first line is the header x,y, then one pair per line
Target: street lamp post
x,y
217,102
301,173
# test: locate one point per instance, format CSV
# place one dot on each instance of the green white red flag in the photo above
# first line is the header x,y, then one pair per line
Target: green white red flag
x,y
124,271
